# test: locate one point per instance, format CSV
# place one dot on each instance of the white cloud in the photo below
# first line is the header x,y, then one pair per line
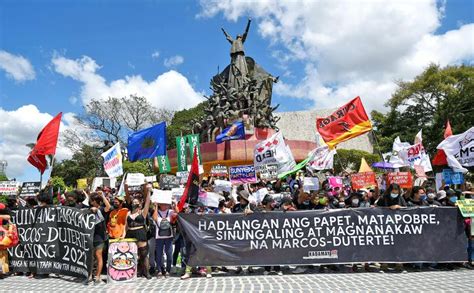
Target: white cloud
x,y
170,90
155,55
352,49
173,61
17,67
20,127
73,100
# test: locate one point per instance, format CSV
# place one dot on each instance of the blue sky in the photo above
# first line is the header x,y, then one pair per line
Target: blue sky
x,y
324,52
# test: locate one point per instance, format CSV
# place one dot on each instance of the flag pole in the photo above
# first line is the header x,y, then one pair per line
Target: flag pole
x,y
377,143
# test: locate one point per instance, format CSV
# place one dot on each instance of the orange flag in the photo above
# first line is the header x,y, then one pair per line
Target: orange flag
x,y
345,123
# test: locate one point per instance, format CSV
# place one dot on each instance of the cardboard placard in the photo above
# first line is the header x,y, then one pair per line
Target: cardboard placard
x,y
222,185
135,179
404,179
162,196
310,183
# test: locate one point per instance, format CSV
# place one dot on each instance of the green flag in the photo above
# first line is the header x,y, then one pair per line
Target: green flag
x,y
298,167
193,140
164,164
181,157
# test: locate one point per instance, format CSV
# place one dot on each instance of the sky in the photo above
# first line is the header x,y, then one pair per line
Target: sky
x,y
55,55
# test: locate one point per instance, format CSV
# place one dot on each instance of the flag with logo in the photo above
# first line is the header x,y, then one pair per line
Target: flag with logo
x,y
45,144
113,161
459,150
347,122
274,151
411,155
321,158
147,143
236,131
181,154
191,191
163,164
193,141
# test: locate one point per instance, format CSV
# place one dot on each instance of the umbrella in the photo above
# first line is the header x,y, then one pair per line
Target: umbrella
x,y
383,165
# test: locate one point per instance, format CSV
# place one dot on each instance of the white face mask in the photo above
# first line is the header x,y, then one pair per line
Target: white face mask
x,y
431,195
355,201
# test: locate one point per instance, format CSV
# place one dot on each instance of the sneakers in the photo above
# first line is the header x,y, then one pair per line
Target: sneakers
x,y
202,272
299,270
186,276
266,273
250,270
159,275
208,276
97,281
238,270
280,273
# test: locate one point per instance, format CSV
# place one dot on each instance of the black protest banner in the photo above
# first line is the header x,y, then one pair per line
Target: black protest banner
x,y
30,188
326,237
54,239
168,182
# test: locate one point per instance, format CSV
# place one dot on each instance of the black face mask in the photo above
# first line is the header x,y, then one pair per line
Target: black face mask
x,y
116,205
135,206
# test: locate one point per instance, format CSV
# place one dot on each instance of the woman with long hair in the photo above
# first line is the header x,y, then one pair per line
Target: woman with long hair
x,y
136,228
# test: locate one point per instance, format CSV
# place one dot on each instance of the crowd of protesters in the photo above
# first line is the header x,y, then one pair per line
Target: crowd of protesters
x,y
162,249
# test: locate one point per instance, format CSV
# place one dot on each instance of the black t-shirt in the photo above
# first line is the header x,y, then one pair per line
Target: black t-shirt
x,y
387,201
100,232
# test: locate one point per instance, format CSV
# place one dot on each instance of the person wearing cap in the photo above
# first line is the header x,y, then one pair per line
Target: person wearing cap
x,y
441,197
4,220
244,204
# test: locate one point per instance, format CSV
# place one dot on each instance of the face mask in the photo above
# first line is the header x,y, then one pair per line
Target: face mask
x,y
342,204
431,195
296,186
423,197
453,199
116,205
355,202
71,204
323,201
393,195
135,206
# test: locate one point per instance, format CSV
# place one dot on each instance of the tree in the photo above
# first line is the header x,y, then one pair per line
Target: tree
x,y
432,98
143,167
113,119
3,177
350,159
181,124
85,163
59,184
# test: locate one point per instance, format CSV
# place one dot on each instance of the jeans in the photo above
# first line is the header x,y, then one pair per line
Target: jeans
x,y
167,245
152,252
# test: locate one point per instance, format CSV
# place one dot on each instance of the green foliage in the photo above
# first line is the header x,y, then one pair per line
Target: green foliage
x,y
3,177
85,163
144,167
432,98
181,123
351,159
3,198
58,184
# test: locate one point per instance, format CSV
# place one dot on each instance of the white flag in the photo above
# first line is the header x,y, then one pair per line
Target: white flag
x,y
321,158
113,161
404,154
459,150
274,151
395,158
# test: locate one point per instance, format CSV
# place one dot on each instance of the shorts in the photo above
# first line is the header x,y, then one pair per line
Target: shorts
x,y
98,246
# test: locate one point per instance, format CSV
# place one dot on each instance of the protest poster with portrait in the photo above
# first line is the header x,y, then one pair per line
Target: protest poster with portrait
x,y
122,261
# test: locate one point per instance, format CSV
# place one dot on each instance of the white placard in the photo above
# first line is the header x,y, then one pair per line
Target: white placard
x,y
135,179
162,196
212,199
150,178
310,183
201,169
260,194
177,193
222,185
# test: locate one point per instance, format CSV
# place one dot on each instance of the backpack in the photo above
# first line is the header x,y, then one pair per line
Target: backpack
x,y
150,228
165,226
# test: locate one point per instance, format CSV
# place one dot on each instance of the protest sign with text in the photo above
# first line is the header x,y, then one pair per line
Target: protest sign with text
x,y
242,174
54,239
8,187
404,179
30,188
363,180
326,237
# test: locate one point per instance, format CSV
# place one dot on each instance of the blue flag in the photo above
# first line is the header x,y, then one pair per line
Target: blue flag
x,y
147,143
236,131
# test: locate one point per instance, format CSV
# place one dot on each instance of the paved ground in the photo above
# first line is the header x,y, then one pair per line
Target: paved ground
x,y
459,280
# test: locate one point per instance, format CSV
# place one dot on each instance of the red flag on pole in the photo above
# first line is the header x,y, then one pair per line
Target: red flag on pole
x,y
440,157
191,191
45,144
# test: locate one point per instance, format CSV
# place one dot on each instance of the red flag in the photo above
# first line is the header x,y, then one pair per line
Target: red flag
x,y
448,132
440,157
345,123
45,144
191,192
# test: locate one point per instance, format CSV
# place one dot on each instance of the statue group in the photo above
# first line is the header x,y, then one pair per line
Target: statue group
x,y
242,91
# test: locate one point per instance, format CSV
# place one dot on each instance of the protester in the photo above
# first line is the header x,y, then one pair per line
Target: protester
x,y
117,219
164,217
392,198
4,220
418,197
100,232
135,228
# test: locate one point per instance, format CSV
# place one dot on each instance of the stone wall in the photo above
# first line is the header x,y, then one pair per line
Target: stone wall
x,y
301,125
